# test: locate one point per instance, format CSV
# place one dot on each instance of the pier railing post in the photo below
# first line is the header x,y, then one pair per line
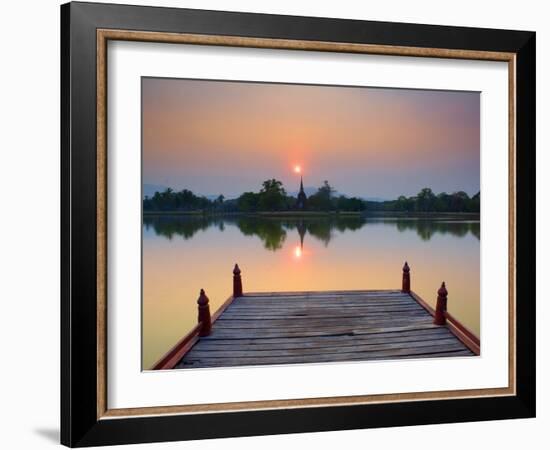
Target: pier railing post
x,y
406,286
204,314
237,282
441,306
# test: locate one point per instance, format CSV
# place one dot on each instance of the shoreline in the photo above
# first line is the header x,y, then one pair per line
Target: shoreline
x,y
405,214
257,213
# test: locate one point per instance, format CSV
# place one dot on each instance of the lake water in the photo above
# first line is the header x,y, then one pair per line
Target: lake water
x,y
182,254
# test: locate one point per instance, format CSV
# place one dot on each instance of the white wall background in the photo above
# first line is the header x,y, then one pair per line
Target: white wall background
x,y
29,224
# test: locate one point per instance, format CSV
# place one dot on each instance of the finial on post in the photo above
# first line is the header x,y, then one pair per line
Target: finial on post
x,y
237,282
204,314
441,306
406,286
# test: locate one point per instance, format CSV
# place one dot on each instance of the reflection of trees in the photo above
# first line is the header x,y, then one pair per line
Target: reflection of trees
x,y
184,226
269,231
351,223
321,231
273,230
474,229
427,228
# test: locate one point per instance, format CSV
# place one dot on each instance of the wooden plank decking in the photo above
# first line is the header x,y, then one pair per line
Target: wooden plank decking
x,y
310,327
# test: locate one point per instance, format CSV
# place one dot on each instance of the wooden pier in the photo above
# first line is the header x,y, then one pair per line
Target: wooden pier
x,y
253,329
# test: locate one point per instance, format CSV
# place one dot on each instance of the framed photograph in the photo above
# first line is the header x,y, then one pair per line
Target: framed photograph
x,y
277,224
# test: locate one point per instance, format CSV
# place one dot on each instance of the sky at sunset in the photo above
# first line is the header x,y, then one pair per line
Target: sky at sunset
x,y
215,137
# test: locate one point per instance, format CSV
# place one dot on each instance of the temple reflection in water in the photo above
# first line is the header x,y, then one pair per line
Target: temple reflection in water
x,y
273,231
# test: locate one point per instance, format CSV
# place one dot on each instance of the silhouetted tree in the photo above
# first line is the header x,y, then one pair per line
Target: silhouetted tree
x,y
425,200
272,196
322,199
248,202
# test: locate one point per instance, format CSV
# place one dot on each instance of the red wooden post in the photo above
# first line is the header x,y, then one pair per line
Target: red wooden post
x,y
204,314
406,286
237,282
441,306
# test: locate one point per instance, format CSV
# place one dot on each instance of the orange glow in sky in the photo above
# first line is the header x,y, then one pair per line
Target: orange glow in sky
x,y
297,252
297,169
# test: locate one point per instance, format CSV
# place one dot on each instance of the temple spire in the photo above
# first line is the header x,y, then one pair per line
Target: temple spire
x,y
302,197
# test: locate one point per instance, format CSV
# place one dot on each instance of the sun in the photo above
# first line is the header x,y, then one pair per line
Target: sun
x,y
297,169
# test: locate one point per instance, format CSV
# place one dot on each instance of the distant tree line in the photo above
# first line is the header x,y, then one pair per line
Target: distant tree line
x,y
427,201
184,200
273,197
325,199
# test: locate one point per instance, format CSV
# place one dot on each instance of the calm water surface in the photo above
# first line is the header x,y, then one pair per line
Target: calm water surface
x,y
182,254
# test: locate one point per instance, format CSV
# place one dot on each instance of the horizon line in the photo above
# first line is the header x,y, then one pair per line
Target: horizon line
x,y
362,197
